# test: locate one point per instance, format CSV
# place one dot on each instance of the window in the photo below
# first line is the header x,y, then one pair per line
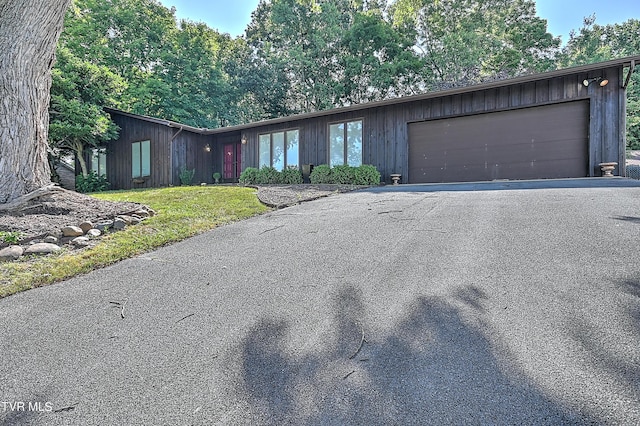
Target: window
x,y
140,159
345,143
99,162
280,149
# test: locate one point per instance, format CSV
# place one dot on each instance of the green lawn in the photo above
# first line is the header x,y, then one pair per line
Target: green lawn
x,y
182,213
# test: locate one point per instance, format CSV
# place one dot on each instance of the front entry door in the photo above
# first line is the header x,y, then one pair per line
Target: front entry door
x,y
232,162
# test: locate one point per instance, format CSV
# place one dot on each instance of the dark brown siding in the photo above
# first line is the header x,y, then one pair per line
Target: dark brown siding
x,y
119,153
189,150
385,128
531,143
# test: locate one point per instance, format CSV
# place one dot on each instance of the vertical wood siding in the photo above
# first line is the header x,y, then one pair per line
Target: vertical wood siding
x,y
385,133
385,130
119,153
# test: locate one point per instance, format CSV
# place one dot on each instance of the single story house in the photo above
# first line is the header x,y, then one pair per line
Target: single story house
x,y
557,124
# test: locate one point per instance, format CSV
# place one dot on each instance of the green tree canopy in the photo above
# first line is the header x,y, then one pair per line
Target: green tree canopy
x,y
79,92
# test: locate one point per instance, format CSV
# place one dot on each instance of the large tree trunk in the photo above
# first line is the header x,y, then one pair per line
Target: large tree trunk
x,y
29,31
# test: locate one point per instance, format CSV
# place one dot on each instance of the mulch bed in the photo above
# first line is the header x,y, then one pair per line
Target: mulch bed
x,y
50,213
280,196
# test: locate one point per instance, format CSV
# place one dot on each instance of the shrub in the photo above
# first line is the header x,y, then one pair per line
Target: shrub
x,y
267,175
186,176
249,176
291,176
320,174
344,175
92,183
9,237
366,174
217,176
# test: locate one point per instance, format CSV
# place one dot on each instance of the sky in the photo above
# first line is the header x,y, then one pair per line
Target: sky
x,y
232,16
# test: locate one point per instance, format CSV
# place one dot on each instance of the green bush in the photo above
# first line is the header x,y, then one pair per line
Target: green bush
x,y
291,176
9,237
344,175
268,175
92,183
366,175
320,174
186,176
249,176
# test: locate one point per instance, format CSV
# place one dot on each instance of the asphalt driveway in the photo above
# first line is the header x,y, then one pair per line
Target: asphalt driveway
x,y
419,306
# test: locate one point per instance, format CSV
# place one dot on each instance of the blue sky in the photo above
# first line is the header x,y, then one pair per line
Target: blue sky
x,y
232,16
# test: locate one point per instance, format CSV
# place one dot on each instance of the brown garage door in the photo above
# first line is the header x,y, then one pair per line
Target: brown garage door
x,y
532,143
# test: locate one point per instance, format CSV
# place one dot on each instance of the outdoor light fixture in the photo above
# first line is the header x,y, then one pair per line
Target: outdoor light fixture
x,y
207,148
243,140
588,81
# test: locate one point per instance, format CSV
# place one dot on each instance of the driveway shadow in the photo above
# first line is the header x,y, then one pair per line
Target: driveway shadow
x,y
431,368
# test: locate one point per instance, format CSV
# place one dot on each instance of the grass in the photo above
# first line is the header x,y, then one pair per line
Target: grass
x,y
182,213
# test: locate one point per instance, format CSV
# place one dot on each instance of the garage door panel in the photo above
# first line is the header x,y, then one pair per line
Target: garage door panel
x,y
540,142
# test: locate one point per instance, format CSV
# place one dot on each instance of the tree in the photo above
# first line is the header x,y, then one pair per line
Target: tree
x,y
79,92
329,53
29,31
596,43
468,41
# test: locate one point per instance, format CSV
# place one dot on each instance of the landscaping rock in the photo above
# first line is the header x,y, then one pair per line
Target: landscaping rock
x,y
85,226
125,218
151,212
135,220
72,231
50,239
10,253
141,213
119,224
93,233
42,248
80,241
101,226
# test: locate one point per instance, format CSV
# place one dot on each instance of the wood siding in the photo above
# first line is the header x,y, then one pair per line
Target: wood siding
x,y
171,150
119,153
385,128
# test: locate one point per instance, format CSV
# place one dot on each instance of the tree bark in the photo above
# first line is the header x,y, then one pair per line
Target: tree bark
x,y
29,32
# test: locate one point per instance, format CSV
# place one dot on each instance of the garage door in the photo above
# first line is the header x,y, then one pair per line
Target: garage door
x,y
532,143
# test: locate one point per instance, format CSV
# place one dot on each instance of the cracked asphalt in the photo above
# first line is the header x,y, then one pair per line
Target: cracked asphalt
x,y
508,304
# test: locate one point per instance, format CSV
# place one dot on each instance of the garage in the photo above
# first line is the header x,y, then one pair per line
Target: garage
x,y
540,142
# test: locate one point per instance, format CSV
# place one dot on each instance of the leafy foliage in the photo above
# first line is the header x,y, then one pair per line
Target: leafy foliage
x,y
9,237
249,176
92,183
366,174
79,92
321,174
269,175
343,174
309,55
291,176
595,43
186,176
347,175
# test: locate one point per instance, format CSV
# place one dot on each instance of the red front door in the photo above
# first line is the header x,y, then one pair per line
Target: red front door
x,y
232,161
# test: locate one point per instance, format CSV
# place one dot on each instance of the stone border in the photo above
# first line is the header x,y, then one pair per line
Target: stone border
x,y
76,236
